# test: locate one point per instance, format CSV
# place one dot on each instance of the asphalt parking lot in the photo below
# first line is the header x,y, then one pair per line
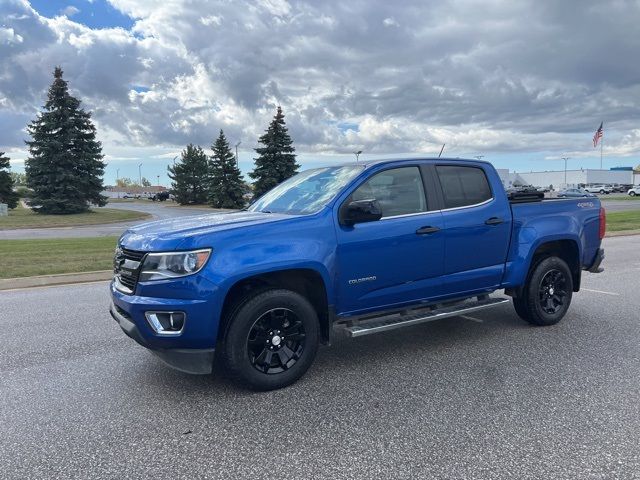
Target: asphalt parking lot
x,y
483,396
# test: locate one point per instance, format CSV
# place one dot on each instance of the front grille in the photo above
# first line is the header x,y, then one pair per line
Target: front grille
x,y
133,254
126,267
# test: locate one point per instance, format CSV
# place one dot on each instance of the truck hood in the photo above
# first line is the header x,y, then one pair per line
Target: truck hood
x,y
168,234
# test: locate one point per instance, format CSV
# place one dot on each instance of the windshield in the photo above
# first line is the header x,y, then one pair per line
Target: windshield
x,y
306,192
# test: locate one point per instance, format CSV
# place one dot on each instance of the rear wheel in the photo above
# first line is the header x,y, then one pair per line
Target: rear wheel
x,y
633,194
271,340
547,294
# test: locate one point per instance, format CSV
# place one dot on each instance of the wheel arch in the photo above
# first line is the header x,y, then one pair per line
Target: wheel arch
x,y
306,281
565,248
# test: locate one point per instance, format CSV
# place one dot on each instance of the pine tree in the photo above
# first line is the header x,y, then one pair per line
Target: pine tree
x,y
189,176
7,195
226,186
65,168
276,161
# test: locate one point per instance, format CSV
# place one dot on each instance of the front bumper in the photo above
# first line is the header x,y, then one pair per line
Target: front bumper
x,y
595,266
188,360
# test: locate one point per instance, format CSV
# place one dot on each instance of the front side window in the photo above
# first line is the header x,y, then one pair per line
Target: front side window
x,y
399,191
463,186
306,192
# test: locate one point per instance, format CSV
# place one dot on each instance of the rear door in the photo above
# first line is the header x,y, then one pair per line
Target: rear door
x,y
477,228
395,260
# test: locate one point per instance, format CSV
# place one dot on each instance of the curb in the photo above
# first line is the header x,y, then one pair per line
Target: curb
x,y
59,279
622,233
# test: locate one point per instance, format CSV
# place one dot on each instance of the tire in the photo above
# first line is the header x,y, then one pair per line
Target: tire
x,y
602,192
547,294
289,326
633,194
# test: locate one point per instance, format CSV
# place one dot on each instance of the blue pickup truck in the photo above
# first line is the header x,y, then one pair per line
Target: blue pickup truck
x,y
353,249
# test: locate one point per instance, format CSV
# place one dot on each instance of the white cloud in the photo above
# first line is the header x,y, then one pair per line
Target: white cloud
x,y
69,11
8,35
463,73
211,20
390,22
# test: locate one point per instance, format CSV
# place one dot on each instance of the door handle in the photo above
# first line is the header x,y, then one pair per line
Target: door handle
x,y
494,221
428,230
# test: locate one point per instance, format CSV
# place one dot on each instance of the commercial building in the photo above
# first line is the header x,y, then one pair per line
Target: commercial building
x,y
559,179
120,192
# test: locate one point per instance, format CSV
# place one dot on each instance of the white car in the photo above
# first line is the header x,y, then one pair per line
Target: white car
x,y
633,191
599,189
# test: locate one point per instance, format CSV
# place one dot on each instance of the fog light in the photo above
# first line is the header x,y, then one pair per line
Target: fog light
x,y
166,323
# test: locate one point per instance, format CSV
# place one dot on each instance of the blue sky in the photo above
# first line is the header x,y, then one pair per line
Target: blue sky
x,y
387,79
95,14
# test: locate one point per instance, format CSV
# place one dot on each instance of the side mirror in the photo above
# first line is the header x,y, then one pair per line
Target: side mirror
x,y
360,211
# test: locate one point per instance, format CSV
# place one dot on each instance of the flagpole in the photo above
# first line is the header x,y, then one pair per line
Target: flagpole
x,y
601,143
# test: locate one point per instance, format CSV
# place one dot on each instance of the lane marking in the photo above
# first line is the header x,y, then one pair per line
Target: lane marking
x,y
600,291
473,319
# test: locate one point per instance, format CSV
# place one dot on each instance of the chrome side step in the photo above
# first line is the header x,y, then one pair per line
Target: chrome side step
x,y
384,323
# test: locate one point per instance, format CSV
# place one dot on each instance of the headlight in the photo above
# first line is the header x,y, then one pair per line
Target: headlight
x,y
162,266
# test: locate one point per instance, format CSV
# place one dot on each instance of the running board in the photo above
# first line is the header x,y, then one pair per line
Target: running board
x,y
398,320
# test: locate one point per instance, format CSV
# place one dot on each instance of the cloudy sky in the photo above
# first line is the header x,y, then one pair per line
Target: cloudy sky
x,y
522,83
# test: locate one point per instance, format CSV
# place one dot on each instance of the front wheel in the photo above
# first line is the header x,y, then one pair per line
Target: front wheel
x,y
271,340
547,294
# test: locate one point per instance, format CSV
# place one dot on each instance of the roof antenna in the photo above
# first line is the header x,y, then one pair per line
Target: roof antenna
x,y
441,150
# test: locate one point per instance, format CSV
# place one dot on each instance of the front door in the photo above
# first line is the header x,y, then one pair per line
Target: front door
x,y
397,259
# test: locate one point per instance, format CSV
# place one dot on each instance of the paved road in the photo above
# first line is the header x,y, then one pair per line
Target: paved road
x,y
485,396
158,211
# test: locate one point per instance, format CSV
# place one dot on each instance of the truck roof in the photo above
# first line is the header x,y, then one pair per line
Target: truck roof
x,y
371,163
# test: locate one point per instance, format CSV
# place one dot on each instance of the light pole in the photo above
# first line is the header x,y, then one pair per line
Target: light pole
x,y
237,145
565,170
357,154
158,176
140,174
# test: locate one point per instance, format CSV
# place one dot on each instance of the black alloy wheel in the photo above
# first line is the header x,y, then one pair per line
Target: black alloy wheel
x,y
552,291
276,341
547,292
271,338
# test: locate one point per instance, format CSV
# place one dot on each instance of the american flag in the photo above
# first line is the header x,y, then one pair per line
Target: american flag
x,y
597,136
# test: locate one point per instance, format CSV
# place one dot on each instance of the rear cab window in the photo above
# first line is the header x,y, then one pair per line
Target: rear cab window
x,y
463,186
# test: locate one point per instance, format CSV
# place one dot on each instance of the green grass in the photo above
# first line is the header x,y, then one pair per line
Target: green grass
x,y
26,258
618,221
26,218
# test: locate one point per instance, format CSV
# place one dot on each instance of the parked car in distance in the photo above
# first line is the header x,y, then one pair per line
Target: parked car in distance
x,y
633,191
160,197
602,189
574,192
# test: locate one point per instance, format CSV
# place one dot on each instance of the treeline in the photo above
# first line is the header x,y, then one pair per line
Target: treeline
x,y
216,179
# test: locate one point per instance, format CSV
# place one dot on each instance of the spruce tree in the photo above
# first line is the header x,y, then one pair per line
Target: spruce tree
x,y
226,186
276,161
65,168
189,176
7,195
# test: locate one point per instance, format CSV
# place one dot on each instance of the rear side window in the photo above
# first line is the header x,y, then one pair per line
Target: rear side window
x,y
463,186
399,191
